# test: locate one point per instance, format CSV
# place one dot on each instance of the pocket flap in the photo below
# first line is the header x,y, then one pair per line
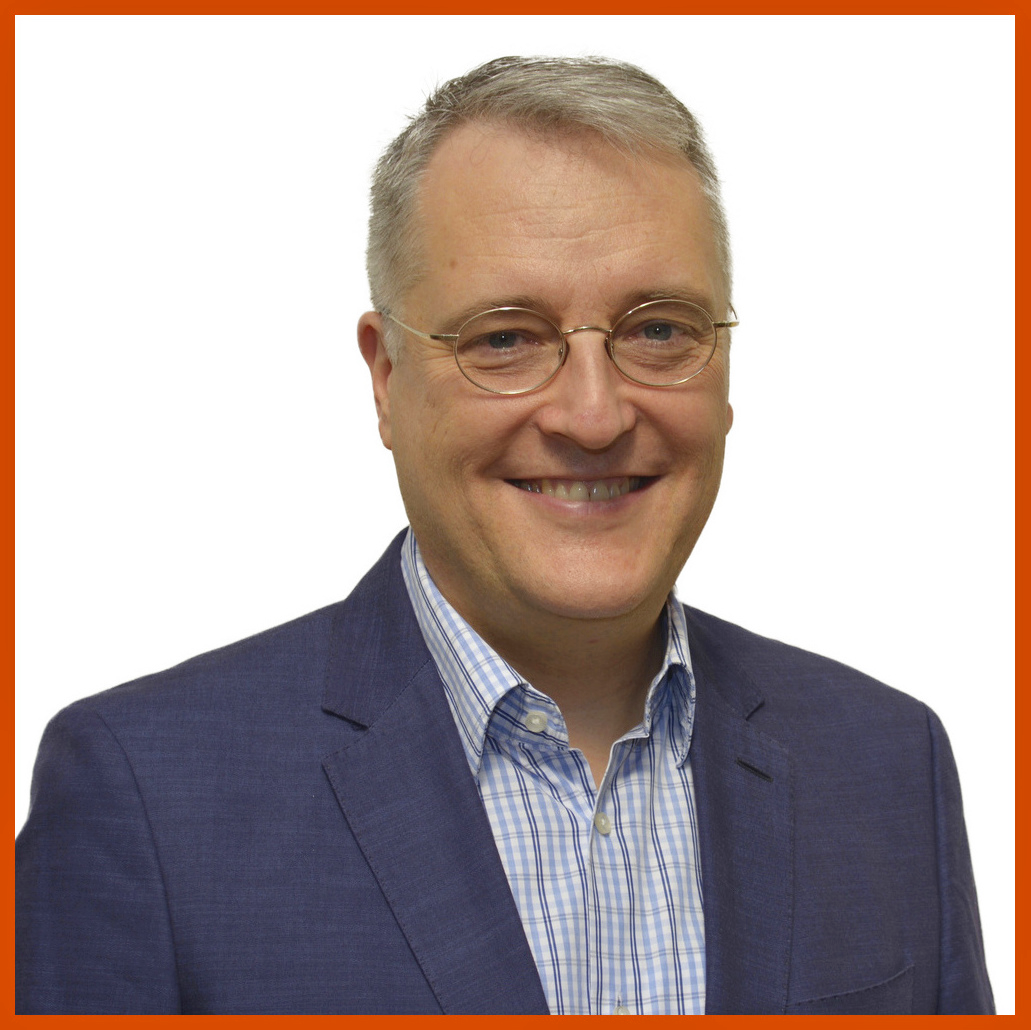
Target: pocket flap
x,y
893,996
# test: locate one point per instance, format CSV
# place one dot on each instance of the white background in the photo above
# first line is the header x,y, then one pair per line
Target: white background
x,y
197,454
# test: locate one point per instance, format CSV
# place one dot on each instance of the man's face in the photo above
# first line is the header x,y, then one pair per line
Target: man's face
x,y
582,234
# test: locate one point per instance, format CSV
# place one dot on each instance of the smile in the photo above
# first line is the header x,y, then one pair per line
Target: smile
x,y
582,489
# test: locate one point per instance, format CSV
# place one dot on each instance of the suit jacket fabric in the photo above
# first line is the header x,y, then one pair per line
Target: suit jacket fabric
x,y
289,825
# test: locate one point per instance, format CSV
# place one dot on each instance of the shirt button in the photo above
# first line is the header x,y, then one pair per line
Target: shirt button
x,y
622,1010
603,824
536,722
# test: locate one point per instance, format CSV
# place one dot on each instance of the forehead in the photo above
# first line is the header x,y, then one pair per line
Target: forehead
x,y
506,213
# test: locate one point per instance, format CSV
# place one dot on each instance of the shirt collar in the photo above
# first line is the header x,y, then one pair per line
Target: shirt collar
x,y
476,678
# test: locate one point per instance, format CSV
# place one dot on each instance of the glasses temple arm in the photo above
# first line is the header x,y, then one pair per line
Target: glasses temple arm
x,y
419,332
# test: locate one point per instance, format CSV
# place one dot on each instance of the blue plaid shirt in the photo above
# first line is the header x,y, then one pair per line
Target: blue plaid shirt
x,y
607,881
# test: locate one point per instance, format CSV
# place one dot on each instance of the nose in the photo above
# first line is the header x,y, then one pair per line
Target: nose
x,y
587,402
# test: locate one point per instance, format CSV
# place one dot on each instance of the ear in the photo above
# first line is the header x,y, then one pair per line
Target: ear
x,y
730,417
373,346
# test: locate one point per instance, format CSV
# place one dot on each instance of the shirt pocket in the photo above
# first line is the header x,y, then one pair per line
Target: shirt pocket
x,y
893,996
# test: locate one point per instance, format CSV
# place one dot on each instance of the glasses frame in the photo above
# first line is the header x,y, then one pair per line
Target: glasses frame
x,y
453,339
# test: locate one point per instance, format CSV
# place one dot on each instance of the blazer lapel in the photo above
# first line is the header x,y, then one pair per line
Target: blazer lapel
x,y
406,791
743,787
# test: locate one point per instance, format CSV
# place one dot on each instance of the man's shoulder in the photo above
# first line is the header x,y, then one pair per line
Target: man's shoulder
x,y
286,664
752,671
831,718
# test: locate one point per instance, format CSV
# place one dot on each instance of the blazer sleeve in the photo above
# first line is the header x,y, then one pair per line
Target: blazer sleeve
x,y
93,929
963,986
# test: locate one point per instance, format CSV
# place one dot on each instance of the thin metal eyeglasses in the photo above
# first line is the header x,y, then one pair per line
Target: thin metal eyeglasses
x,y
515,350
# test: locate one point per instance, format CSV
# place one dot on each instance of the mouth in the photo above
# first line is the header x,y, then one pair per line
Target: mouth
x,y
584,489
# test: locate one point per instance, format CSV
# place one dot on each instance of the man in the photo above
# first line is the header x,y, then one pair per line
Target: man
x,y
511,773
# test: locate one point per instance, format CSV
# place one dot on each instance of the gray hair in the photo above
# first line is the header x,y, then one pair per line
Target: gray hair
x,y
560,96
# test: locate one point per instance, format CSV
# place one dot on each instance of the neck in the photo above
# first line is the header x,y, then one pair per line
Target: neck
x,y
597,671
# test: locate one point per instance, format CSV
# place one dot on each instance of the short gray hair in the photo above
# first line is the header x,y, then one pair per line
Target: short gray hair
x,y
619,102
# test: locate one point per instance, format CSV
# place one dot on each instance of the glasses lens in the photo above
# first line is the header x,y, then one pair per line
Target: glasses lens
x,y
509,350
664,343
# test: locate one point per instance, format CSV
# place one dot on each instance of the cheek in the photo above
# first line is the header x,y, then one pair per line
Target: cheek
x,y
705,412
433,437
700,425
415,405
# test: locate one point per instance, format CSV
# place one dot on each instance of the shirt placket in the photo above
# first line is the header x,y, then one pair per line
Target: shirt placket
x,y
611,987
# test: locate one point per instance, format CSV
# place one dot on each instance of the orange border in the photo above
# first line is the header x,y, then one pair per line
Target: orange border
x,y
351,8
540,7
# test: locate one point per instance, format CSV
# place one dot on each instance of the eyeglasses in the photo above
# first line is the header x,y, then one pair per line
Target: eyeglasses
x,y
516,350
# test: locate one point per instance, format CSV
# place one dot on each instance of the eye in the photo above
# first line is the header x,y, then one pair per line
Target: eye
x,y
508,350
503,347
497,343
505,339
659,332
663,343
665,325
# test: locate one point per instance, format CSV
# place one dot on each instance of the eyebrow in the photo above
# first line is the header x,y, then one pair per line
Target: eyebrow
x,y
456,321
697,297
629,302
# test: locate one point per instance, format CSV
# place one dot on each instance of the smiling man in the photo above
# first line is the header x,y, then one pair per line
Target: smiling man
x,y
510,493
512,773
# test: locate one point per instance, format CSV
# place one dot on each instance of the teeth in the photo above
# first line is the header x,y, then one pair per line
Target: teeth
x,y
582,490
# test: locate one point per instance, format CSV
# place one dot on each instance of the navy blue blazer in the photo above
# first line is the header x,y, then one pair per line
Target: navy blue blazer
x,y
289,825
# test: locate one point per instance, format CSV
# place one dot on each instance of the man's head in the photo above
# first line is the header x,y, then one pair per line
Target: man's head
x,y
583,498
549,96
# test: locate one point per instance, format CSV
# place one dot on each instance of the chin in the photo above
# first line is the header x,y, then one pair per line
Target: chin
x,y
593,597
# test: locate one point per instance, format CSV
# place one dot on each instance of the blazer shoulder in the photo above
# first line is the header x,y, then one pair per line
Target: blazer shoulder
x,y
272,680
248,674
753,671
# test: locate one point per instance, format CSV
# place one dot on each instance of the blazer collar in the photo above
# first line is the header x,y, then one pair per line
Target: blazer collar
x,y
376,647
405,789
744,795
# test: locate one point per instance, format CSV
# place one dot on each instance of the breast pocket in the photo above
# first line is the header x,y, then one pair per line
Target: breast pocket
x,y
891,997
